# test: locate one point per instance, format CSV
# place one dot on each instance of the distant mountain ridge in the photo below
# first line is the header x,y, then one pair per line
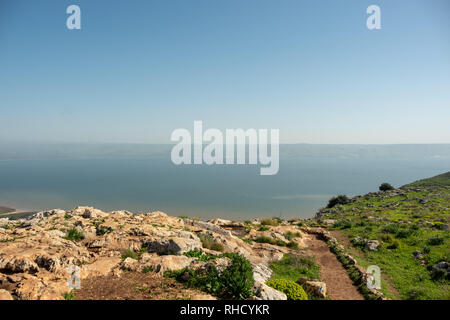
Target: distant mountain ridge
x,y
38,151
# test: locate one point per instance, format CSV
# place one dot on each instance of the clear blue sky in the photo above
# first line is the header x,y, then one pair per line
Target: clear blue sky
x,y
137,70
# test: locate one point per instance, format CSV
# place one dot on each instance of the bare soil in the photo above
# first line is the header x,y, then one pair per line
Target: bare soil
x,y
136,286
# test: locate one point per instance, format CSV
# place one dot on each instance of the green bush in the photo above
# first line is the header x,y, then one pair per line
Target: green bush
x,y
264,239
74,235
128,253
343,224
293,290
69,295
102,230
208,242
385,187
340,199
199,255
403,233
435,241
235,282
392,228
393,245
292,245
264,228
291,235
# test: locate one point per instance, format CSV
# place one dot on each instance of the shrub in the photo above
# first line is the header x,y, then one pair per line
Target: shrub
x,y
386,238
101,230
426,250
415,294
385,187
276,242
69,295
392,228
74,235
147,270
128,253
199,255
435,241
270,222
393,245
235,282
403,233
293,290
438,274
343,224
340,199
292,245
291,235
264,228
208,242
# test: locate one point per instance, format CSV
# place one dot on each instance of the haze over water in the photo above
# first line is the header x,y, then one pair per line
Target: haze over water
x,y
142,178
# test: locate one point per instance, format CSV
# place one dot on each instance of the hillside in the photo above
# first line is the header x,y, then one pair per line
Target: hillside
x,y
404,231
436,181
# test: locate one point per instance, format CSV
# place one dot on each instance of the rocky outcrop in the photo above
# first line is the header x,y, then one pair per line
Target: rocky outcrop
x,y
38,254
314,287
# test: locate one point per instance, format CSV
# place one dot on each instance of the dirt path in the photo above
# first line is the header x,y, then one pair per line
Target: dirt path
x,y
339,285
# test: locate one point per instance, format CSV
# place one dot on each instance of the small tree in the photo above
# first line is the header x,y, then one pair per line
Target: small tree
x,y
340,199
385,187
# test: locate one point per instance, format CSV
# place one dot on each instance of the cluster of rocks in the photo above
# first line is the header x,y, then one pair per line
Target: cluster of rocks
x,y
35,253
371,245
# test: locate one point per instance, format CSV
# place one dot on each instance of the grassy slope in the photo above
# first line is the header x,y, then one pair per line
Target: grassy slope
x,y
414,214
439,180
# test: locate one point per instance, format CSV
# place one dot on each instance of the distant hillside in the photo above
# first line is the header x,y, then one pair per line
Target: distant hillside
x,y
439,180
6,210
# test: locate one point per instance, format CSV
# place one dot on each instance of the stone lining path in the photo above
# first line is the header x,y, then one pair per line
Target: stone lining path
x,y
339,284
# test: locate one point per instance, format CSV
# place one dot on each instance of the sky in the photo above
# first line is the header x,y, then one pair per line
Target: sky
x,y
137,70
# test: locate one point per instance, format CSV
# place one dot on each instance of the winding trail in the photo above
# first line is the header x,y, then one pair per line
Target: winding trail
x,y
339,284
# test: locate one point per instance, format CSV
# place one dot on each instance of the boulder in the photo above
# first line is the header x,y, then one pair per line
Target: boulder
x,y
171,245
5,295
165,263
17,265
316,288
264,292
372,245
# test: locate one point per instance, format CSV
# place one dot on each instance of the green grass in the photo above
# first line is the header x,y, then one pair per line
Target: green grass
x,y
74,235
69,295
439,180
403,221
269,240
128,253
292,267
208,242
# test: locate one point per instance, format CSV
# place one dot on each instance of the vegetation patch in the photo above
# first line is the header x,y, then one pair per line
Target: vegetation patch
x,y
235,282
293,290
74,235
293,266
208,242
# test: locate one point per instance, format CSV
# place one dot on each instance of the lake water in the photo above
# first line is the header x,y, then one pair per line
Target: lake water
x,y
302,185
